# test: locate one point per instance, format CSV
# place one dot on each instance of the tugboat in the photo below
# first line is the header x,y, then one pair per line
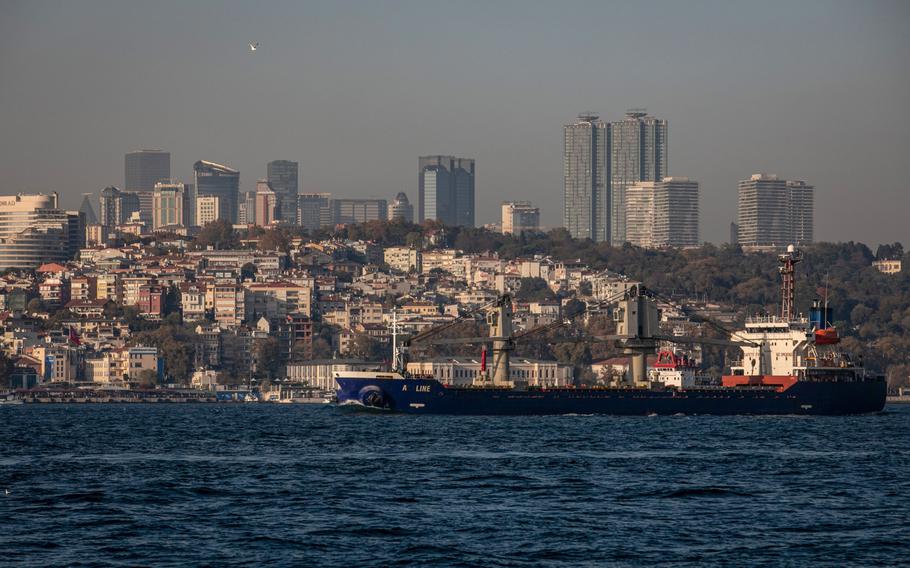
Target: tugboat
x,y
790,365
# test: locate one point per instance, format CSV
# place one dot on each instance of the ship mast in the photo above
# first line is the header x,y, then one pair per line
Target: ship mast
x,y
787,269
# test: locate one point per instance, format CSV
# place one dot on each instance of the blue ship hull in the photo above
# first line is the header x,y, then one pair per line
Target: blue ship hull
x,y
428,396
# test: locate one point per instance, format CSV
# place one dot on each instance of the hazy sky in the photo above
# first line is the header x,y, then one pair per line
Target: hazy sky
x,y
356,91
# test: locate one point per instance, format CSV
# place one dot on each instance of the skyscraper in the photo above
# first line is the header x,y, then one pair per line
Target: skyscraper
x,y
763,215
519,217
401,208
638,152
116,206
802,211
348,211
313,211
142,170
222,182
34,231
446,190
170,204
586,183
207,209
662,213
266,205
282,177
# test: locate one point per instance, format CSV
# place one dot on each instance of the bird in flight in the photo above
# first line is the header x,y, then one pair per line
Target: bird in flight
x,y
254,46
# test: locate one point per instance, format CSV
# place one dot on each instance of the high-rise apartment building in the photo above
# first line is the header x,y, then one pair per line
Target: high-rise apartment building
x,y
116,207
142,170
282,177
586,182
33,230
349,211
446,190
266,206
663,213
638,152
519,217
401,208
802,211
219,181
774,212
313,211
170,205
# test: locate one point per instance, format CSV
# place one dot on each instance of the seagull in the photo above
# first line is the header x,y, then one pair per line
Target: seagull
x,y
7,491
254,46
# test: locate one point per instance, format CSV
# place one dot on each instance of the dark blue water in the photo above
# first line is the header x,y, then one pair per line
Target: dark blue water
x,y
171,485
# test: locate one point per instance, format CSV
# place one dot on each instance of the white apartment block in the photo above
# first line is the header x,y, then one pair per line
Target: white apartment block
x,y
519,217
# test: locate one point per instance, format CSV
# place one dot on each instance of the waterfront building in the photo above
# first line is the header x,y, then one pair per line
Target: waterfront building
x,y
349,211
220,181
207,209
774,212
519,217
313,211
33,231
282,178
638,152
586,181
446,190
464,371
266,204
401,208
170,204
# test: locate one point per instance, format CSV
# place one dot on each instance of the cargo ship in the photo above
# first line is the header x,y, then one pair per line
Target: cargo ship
x,y
790,365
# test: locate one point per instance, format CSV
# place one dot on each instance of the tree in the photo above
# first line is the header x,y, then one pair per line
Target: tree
x,y
268,357
6,369
36,305
248,271
274,239
534,290
147,378
218,234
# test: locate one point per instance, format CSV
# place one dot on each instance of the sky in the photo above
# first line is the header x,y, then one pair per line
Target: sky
x,y
356,91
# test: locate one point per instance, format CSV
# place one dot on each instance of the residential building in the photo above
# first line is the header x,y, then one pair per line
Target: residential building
x,y
519,217
349,211
267,203
638,152
401,209
446,190
208,208
282,178
276,300
662,213
888,266
34,231
313,211
774,212
586,181
170,204
220,181
802,212
402,259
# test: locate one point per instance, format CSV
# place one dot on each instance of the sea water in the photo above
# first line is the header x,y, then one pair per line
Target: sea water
x,y
277,485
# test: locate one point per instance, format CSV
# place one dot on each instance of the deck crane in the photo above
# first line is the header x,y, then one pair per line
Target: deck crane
x,y
636,318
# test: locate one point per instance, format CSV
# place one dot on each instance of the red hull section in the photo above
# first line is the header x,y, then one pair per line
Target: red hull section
x,y
782,382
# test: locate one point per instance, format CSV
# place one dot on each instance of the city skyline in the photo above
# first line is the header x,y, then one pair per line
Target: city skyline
x,y
740,102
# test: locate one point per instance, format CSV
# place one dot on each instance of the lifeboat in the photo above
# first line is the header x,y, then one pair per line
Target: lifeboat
x,y
826,336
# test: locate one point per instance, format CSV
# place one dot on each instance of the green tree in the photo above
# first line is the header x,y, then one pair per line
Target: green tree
x,y
36,305
534,290
268,357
